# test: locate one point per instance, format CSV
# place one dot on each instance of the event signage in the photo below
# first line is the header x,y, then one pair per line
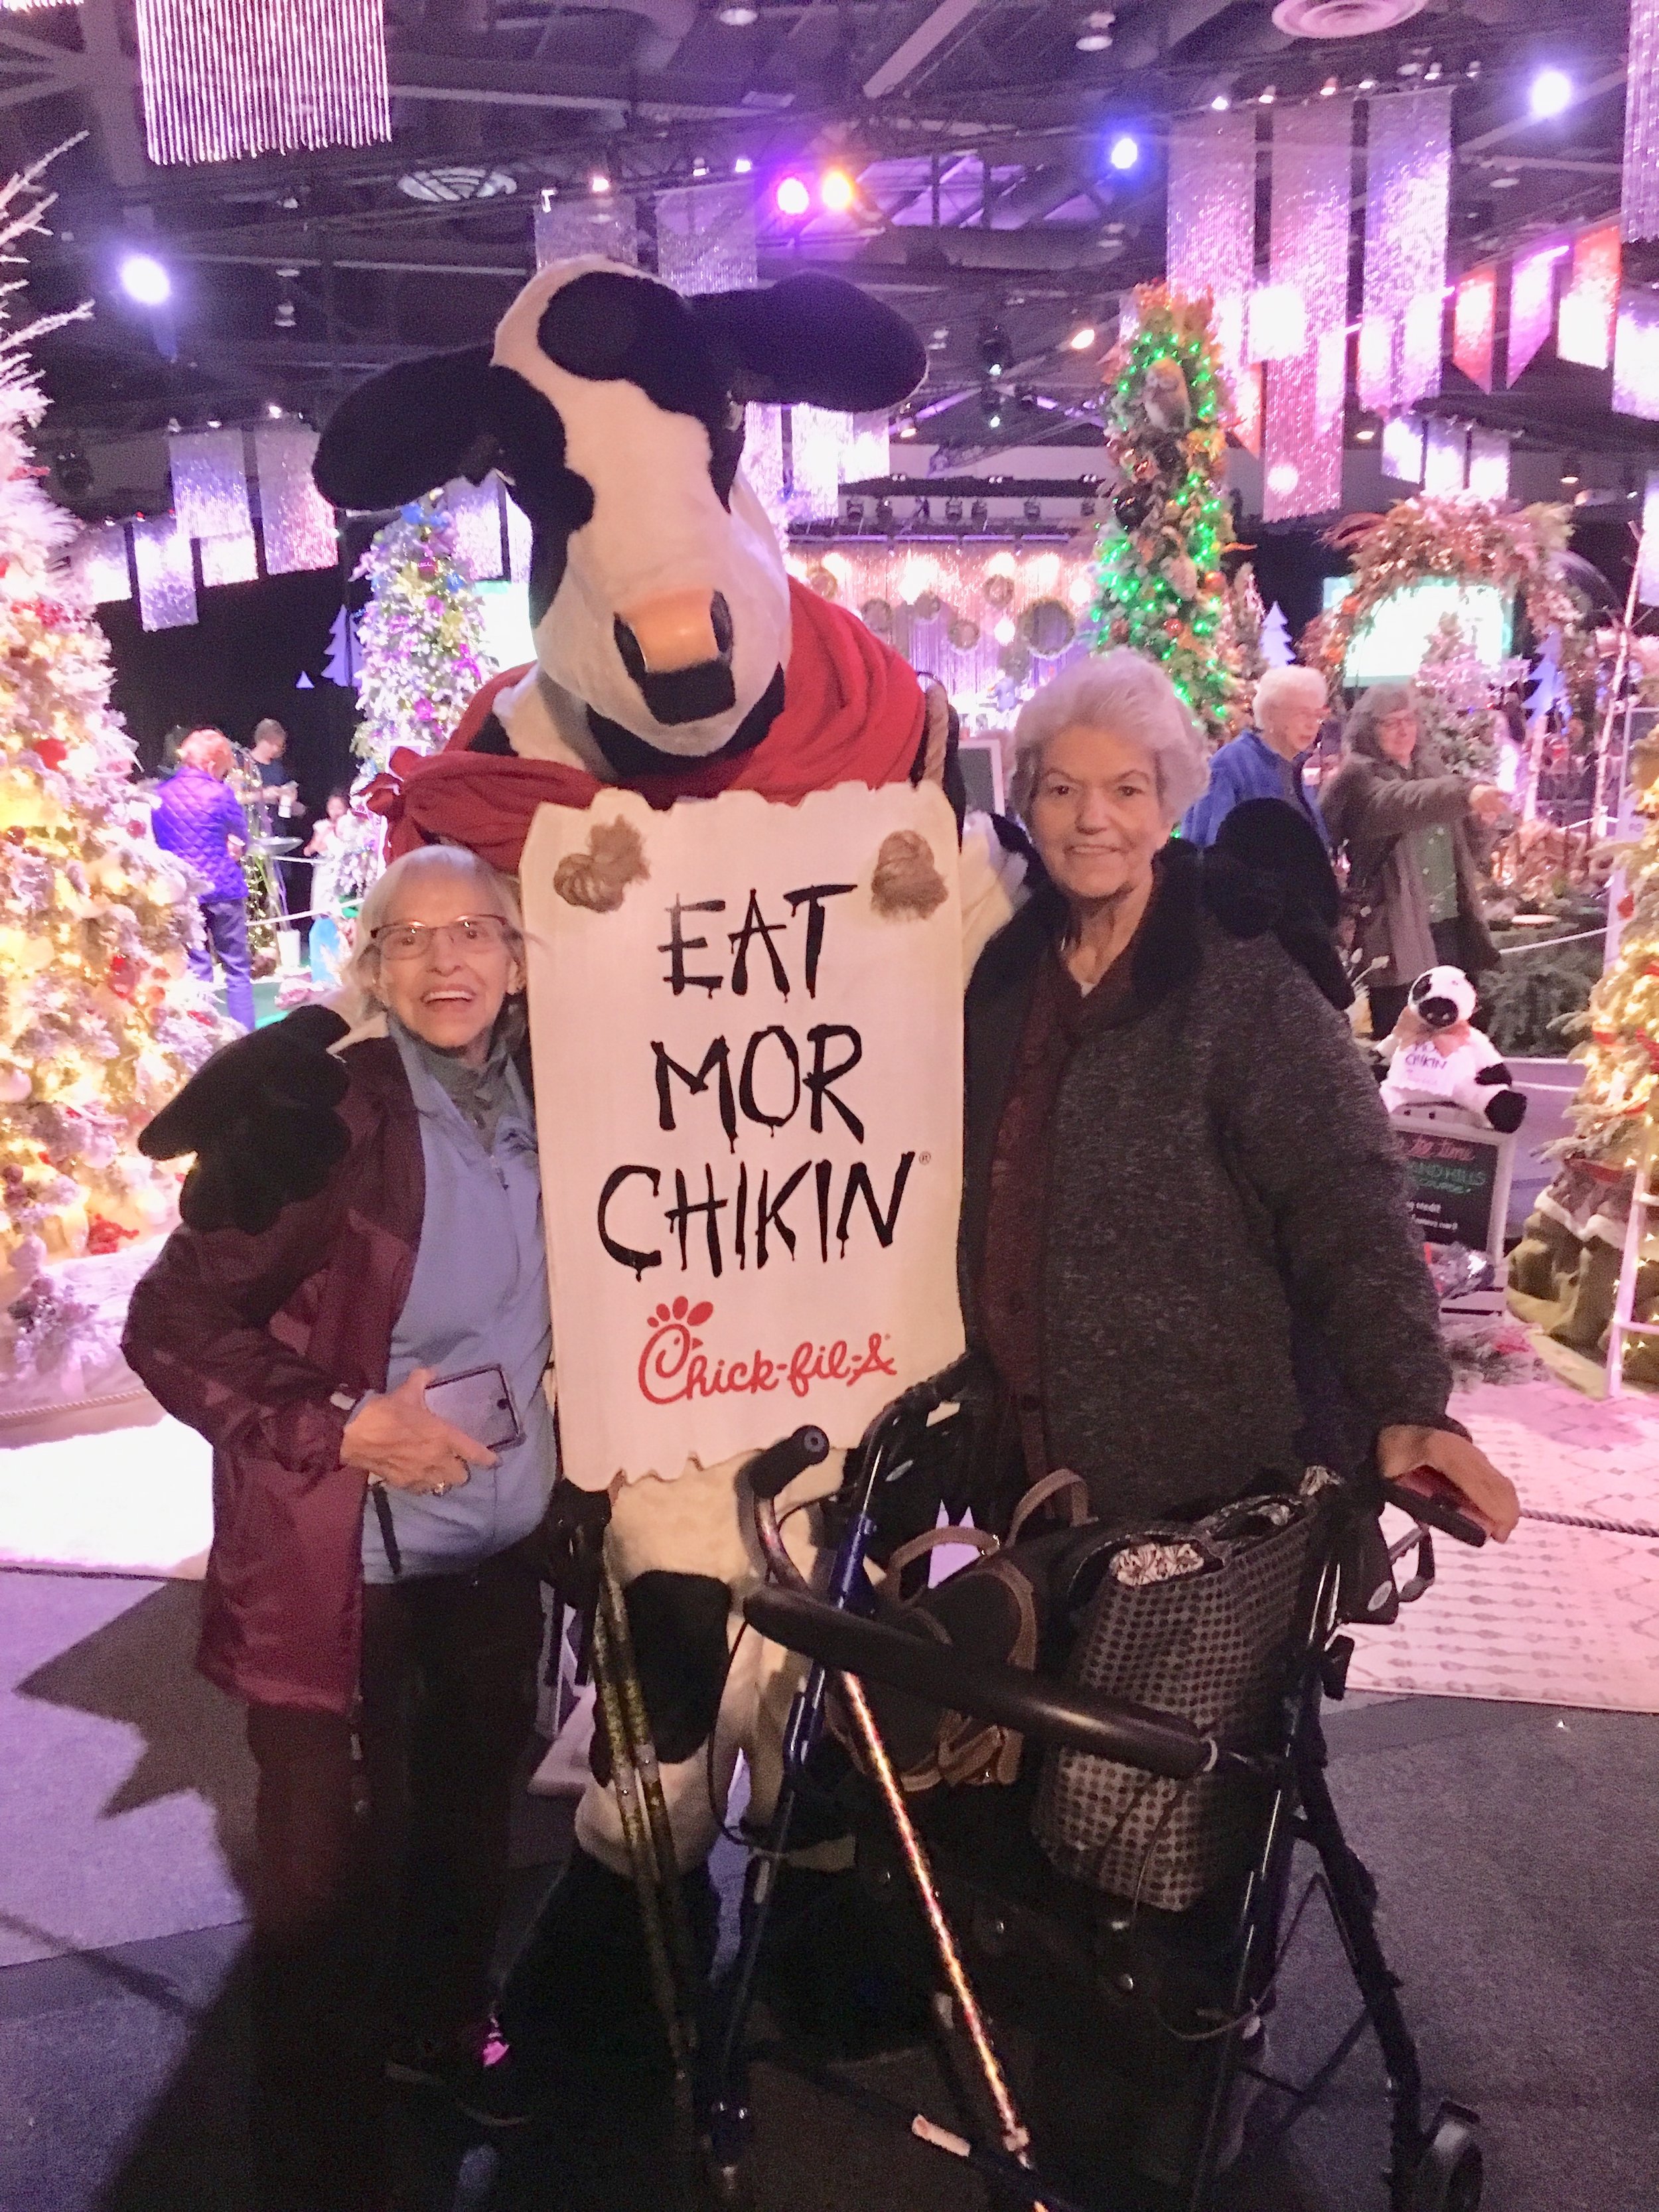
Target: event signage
x,y
746,1019
1457,1182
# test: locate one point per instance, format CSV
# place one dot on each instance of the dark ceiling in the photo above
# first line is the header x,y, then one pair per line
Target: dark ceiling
x,y
976,130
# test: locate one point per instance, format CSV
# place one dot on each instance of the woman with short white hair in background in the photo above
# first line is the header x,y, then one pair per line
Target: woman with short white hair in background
x,y
1269,760
368,1579
1183,1208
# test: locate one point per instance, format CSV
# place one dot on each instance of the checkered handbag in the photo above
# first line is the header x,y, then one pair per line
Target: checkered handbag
x,y
1204,1620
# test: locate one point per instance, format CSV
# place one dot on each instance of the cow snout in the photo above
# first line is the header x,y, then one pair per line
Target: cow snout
x,y
677,647
1437,1013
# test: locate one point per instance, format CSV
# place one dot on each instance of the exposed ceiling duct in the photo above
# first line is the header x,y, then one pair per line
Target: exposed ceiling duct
x,y
1343,19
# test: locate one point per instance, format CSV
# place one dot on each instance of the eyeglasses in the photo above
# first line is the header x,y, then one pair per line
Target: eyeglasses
x,y
414,940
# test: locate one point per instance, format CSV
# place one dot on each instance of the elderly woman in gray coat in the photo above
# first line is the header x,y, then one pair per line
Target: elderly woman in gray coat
x,y
1413,879
1183,1211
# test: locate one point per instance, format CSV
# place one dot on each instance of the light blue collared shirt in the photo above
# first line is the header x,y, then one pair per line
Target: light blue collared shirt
x,y
479,1298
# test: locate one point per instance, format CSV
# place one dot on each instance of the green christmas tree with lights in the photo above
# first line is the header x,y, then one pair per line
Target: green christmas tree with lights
x,y
1159,589
422,637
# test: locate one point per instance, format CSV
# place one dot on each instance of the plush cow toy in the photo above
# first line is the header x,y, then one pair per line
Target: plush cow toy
x,y
673,654
1435,1057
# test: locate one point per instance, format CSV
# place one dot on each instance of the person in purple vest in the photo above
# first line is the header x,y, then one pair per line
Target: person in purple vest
x,y
196,817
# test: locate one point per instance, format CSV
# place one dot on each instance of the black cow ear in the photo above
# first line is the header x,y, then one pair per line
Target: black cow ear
x,y
813,341
406,431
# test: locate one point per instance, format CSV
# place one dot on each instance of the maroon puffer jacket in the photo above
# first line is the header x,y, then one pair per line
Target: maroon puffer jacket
x,y
245,1337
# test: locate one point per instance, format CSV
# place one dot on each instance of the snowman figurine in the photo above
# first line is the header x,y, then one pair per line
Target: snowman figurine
x,y
1435,1056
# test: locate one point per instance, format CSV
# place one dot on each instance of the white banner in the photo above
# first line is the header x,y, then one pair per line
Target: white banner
x,y
746,1020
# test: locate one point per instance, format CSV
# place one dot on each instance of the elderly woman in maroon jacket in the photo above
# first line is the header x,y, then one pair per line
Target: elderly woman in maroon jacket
x,y
368,1571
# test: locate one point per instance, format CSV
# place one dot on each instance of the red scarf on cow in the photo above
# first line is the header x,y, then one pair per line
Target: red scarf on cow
x,y
853,713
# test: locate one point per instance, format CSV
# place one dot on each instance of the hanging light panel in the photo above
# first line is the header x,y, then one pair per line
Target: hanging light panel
x,y
606,224
1531,305
167,575
1312,189
1212,223
296,520
210,483
1641,193
226,79
1489,464
706,239
1407,197
1589,306
230,560
1636,356
98,563
1475,324
1444,457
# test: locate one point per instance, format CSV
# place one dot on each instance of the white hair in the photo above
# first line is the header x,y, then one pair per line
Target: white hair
x,y
1279,686
1133,698
498,894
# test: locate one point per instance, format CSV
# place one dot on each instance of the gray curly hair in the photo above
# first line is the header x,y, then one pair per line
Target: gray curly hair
x,y
1127,695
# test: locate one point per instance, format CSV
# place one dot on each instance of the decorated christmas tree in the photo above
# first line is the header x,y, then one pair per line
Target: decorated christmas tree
x,y
99,1023
1617,1108
1159,584
422,637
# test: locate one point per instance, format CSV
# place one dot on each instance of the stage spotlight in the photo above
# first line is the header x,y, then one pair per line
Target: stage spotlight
x,y
738,13
922,511
1082,338
1220,104
145,279
1006,631
1552,93
1095,34
273,411
598,184
978,511
1125,152
995,349
742,166
699,165
1569,469
906,430
885,514
836,191
1033,510
793,196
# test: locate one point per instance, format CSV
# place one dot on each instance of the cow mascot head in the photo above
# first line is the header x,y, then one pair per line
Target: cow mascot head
x,y
673,652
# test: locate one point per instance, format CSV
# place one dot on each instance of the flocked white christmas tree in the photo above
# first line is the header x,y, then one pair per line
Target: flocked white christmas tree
x,y
1276,648
100,1022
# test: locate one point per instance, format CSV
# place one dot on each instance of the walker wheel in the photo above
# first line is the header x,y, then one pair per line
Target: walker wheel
x,y
1450,2170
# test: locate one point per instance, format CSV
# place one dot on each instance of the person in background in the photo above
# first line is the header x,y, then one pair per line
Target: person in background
x,y
1409,830
1269,760
268,753
369,1591
198,819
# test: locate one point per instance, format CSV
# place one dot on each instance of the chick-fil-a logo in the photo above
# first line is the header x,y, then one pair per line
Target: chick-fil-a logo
x,y
674,1367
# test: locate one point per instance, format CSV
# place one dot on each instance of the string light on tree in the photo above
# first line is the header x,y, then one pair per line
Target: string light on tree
x,y
421,635
1159,586
100,1022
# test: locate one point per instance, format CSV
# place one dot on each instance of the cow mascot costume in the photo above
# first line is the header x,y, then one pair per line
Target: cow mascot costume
x,y
676,658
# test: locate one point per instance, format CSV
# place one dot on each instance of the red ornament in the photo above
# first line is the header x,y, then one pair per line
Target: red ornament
x,y
106,1236
53,751
121,976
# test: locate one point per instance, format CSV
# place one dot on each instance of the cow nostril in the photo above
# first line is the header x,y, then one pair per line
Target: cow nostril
x,y
720,615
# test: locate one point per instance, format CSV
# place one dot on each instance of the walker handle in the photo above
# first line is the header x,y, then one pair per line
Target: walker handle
x,y
776,1467
1435,1508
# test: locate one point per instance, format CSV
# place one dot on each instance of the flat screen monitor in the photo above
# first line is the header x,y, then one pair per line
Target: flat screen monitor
x,y
507,623
1392,644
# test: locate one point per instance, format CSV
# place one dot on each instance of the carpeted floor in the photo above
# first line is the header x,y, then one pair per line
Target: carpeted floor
x,y
1513,1846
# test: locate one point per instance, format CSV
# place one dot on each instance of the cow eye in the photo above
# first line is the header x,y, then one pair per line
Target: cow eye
x,y
734,415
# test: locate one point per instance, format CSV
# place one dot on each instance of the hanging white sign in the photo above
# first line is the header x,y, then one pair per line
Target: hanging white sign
x,y
746,1019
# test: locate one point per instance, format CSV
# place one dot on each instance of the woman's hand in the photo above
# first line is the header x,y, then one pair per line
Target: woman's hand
x,y
397,1440
1488,1497
1487,804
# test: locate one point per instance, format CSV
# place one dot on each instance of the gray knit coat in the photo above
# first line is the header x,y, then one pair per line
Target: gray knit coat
x,y
1225,1215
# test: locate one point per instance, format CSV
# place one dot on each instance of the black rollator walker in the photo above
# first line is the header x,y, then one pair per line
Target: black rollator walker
x,y
1436,2164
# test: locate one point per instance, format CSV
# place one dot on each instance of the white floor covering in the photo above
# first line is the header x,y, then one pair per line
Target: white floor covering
x,y
1557,1616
